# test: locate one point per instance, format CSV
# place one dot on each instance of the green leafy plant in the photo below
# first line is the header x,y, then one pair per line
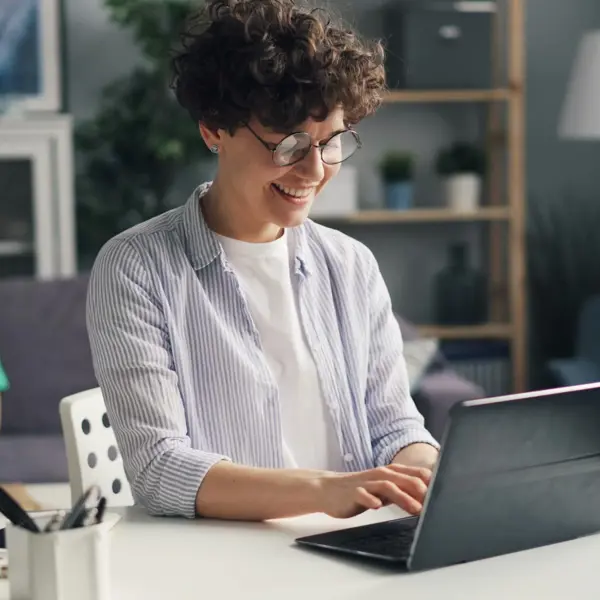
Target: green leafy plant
x,y
461,158
397,166
132,151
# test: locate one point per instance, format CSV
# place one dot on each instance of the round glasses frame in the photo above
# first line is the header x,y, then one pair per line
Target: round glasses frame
x,y
321,147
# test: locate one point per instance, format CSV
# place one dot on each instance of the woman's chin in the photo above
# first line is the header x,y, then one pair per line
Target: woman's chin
x,y
287,214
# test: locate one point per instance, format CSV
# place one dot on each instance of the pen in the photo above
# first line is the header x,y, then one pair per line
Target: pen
x,y
54,523
100,510
92,516
78,512
13,511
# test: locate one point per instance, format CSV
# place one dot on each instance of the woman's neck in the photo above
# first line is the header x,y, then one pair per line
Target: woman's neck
x,y
227,221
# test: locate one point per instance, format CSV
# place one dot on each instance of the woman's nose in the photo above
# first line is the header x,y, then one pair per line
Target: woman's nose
x,y
311,166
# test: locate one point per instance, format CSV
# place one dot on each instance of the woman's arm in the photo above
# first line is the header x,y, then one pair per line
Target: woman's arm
x,y
236,492
231,491
418,455
394,421
134,367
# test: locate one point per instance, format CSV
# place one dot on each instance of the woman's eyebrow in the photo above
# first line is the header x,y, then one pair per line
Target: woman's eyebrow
x,y
284,134
336,132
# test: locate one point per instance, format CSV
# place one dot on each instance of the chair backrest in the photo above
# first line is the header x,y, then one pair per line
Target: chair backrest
x,y
92,454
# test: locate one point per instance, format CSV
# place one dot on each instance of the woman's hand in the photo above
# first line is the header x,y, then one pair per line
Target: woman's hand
x,y
344,495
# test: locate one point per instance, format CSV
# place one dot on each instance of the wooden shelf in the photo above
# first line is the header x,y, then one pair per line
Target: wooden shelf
x,y
492,331
14,248
408,96
424,215
470,6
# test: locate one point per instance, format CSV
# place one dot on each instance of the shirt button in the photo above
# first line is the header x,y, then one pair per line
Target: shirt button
x,y
348,457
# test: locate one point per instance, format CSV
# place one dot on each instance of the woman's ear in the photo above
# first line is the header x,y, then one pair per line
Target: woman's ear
x,y
211,138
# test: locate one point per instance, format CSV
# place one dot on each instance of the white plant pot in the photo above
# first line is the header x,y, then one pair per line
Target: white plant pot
x,y
339,197
463,192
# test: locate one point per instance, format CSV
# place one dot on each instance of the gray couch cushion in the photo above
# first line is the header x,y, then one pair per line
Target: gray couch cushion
x,y
410,333
44,349
438,392
33,459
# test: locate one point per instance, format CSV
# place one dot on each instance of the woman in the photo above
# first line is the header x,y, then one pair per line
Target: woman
x,y
249,358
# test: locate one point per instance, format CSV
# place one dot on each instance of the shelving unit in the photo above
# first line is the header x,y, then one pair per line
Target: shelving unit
x,y
490,331
15,248
505,213
437,96
424,215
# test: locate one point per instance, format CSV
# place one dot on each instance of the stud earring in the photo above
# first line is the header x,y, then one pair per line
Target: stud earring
x,y
214,149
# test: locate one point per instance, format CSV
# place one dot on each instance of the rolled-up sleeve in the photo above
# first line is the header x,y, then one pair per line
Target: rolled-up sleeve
x,y
394,420
134,368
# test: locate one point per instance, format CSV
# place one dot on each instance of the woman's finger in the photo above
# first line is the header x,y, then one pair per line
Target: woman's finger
x,y
414,486
367,500
386,490
420,472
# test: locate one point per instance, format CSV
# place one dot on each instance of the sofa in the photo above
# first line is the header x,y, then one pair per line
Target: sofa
x,y
45,352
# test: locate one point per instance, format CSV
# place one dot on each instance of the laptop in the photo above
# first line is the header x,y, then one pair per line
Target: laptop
x,y
515,472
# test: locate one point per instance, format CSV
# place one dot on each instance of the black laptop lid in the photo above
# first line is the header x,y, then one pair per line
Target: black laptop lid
x,y
515,473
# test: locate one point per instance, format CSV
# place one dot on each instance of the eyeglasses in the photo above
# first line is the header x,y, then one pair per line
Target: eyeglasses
x,y
295,147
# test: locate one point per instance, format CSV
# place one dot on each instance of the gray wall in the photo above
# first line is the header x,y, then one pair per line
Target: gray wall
x,y
409,255
96,53
553,31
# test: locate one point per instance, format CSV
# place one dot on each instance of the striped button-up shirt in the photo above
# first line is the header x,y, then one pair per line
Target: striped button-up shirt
x,y
180,365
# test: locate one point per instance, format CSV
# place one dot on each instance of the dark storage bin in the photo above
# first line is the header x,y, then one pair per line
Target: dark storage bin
x,y
437,45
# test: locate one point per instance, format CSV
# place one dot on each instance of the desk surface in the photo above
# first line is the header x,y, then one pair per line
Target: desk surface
x,y
156,558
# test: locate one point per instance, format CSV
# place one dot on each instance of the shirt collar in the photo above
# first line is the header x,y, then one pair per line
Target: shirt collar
x,y
203,245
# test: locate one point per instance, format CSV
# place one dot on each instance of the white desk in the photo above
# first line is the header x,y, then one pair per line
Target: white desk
x,y
157,558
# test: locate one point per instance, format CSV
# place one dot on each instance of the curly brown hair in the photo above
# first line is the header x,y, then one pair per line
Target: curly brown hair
x,y
277,60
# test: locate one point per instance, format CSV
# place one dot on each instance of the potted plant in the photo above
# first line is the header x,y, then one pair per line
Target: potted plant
x,y
462,166
138,147
397,170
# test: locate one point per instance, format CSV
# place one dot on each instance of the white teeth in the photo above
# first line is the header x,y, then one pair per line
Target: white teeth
x,y
296,193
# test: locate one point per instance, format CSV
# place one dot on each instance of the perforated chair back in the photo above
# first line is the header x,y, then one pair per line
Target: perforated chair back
x,y
92,454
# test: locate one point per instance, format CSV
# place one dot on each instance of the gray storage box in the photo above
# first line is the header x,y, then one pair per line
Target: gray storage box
x,y
432,45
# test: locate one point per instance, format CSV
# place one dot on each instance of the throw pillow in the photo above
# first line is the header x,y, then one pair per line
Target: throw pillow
x,y
419,355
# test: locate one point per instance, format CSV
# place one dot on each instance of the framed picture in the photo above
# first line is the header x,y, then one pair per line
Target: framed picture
x,y
37,211
26,222
30,54
58,131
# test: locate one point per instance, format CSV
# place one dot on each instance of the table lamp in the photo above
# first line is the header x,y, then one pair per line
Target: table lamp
x,y
580,117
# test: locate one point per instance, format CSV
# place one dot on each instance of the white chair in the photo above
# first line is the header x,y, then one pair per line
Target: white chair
x,y
92,454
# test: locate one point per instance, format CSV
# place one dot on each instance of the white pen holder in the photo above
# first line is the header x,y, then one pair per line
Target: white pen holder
x,y
71,564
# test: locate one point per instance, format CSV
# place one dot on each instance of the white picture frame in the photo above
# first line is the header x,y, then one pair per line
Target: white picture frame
x,y
58,131
26,24
39,152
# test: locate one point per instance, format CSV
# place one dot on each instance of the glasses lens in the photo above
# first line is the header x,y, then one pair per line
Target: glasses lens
x,y
292,149
340,147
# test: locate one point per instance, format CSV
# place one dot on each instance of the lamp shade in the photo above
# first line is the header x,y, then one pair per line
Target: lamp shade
x,y
581,112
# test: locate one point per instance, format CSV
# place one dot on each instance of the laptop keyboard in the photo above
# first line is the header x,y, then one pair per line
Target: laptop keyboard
x,y
396,542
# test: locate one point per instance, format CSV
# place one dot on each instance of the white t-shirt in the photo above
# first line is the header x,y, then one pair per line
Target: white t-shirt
x,y
265,272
